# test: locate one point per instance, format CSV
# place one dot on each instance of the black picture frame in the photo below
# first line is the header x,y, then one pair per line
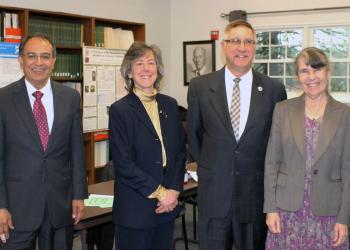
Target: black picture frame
x,y
193,67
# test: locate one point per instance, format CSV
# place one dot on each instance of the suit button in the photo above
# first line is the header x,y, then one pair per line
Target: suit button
x,y
315,171
236,152
158,162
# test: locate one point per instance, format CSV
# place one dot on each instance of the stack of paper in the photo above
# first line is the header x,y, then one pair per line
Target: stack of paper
x,y
99,200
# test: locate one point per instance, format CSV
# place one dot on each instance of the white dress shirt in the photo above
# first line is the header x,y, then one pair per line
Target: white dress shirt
x,y
245,90
47,100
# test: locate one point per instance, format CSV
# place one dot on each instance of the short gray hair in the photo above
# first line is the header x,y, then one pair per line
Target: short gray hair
x,y
137,50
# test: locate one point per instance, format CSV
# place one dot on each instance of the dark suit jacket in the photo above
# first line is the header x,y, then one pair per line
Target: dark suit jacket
x,y
230,173
31,178
286,159
137,157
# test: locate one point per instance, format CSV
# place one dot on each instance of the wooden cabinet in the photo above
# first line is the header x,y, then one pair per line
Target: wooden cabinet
x,y
70,32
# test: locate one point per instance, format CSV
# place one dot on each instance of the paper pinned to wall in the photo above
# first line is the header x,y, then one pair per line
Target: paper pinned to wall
x,y
10,69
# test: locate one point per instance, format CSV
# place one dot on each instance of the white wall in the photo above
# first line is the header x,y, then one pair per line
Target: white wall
x,y
170,22
193,19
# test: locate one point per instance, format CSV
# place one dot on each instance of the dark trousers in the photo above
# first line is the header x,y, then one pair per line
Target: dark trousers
x,y
102,236
221,234
49,238
158,238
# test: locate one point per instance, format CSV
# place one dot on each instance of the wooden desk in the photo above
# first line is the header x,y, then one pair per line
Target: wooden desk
x,y
94,216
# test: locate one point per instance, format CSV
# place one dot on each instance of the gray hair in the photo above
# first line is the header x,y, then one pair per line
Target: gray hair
x,y
137,50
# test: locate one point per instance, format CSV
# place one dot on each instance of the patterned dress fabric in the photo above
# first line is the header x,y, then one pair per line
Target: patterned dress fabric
x,y
301,230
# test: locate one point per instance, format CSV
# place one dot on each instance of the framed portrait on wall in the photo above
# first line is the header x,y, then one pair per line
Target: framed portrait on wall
x,y
199,59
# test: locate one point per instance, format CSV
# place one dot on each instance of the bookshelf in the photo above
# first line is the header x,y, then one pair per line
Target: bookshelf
x,y
70,32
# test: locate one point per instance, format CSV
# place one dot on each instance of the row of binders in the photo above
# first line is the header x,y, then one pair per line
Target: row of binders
x,y
68,66
61,32
112,38
9,27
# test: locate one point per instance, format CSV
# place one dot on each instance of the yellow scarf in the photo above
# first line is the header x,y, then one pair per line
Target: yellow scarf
x,y
150,103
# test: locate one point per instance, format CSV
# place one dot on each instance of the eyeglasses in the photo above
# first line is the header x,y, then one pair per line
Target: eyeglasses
x,y
45,57
237,42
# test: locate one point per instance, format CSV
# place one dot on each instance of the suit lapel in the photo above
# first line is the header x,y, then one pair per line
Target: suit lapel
x,y
297,122
163,119
218,100
256,101
59,107
331,118
22,104
141,113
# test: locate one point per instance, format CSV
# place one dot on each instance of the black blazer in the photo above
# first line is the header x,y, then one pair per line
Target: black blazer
x,y
226,168
137,157
31,178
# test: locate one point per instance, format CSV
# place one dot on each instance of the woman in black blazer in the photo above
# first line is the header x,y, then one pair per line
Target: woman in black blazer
x,y
148,151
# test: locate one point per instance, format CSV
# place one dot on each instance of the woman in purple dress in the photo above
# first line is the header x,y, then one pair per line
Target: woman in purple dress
x,y
307,180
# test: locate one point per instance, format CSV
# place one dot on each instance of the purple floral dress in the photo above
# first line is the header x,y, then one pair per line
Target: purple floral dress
x,y
301,230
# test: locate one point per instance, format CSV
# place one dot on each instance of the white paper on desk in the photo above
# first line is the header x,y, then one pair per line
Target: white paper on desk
x,y
99,200
193,175
100,196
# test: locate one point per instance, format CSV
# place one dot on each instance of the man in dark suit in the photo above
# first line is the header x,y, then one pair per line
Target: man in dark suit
x,y
42,168
229,119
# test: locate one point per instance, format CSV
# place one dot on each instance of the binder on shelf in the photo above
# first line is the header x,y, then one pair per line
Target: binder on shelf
x,y
101,153
101,136
9,28
113,38
14,19
13,35
1,27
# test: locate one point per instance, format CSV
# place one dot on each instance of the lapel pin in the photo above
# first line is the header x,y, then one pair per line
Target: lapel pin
x,y
260,88
163,114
